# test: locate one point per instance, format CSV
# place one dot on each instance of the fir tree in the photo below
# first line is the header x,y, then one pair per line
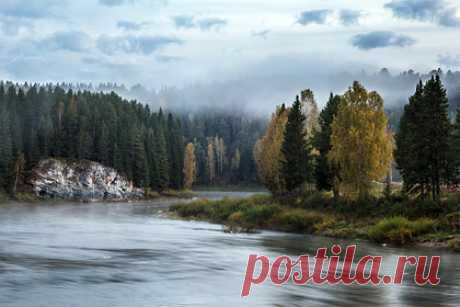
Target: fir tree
x,y
454,156
295,165
6,150
140,169
423,151
325,173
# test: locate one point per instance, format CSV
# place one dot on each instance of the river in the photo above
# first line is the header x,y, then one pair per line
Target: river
x,y
131,254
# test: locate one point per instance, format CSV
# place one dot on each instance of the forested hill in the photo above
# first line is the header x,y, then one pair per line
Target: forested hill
x,y
49,122
37,122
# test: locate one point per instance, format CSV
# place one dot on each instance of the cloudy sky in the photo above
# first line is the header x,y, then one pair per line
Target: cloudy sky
x,y
179,42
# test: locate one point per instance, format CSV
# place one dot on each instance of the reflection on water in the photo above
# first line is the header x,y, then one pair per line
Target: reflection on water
x,y
131,255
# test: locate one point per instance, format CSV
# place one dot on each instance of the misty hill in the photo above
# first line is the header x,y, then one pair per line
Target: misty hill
x,y
258,94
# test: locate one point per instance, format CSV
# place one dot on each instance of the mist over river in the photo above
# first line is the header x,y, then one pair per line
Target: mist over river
x,y
132,254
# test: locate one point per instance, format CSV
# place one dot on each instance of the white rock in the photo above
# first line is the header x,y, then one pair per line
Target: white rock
x,y
84,180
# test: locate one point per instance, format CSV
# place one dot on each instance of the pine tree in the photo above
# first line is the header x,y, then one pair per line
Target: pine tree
x,y
175,153
437,131
409,153
295,166
454,156
325,173
70,128
163,163
423,149
18,172
6,148
140,168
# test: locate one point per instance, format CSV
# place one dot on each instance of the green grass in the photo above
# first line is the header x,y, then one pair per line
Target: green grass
x,y
391,221
454,245
399,230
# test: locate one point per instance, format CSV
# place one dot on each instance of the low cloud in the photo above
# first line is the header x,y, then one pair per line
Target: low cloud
x,y
114,2
262,34
11,26
204,24
129,25
349,17
381,39
75,41
184,21
437,11
31,9
211,23
449,61
313,16
135,44
168,58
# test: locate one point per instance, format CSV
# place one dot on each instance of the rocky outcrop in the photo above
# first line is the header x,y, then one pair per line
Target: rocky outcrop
x,y
82,180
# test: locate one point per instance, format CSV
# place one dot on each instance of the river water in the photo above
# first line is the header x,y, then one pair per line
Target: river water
x,y
130,254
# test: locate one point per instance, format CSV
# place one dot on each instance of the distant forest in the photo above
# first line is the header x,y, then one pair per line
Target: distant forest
x,y
143,133
38,122
239,95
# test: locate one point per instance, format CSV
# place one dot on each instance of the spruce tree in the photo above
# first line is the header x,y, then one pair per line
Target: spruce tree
x,y
6,150
324,171
423,150
437,131
163,163
295,164
409,153
140,169
454,156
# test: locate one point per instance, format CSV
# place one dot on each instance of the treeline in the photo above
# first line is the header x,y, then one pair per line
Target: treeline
x,y
38,122
222,143
352,147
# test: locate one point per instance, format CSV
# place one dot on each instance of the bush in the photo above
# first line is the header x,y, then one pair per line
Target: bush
x,y
199,208
300,220
396,230
3,197
454,245
326,223
452,220
423,226
399,230
452,204
259,214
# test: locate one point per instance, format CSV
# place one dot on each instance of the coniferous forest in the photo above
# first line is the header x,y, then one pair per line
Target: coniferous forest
x,y
146,146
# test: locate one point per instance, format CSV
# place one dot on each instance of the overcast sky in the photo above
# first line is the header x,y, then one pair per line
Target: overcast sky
x,y
179,42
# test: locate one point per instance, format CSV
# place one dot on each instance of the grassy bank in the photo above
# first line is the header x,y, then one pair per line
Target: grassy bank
x,y
29,197
150,195
397,220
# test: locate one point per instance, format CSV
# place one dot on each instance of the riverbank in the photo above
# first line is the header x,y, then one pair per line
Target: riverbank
x,y
396,221
149,195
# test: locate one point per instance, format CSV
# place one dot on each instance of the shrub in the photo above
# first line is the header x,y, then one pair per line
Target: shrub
x,y
454,245
452,204
300,220
195,209
452,220
399,230
326,223
396,230
259,214
423,226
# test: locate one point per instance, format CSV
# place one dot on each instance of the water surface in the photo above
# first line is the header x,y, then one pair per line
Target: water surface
x,y
130,254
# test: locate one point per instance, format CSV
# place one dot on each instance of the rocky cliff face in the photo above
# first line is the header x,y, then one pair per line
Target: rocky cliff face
x,y
83,180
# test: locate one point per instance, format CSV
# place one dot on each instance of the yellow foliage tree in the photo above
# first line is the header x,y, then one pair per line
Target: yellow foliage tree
x,y
267,151
189,166
362,145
